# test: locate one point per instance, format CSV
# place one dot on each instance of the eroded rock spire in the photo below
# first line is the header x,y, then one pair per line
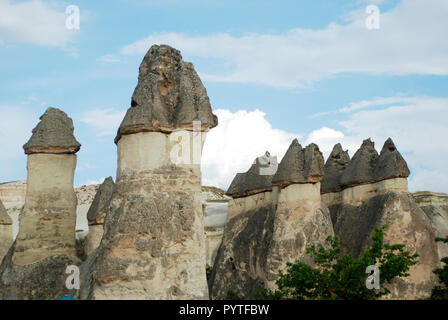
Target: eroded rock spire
x,y
169,95
334,168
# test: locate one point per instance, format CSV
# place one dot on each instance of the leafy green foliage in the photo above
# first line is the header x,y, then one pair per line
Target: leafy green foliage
x,y
441,292
339,275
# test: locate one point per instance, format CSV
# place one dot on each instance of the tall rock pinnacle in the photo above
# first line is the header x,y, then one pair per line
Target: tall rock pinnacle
x,y
334,168
300,165
390,163
360,169
169,95
46,240
53,134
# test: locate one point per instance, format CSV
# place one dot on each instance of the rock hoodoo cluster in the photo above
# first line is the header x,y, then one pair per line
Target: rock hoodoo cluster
x,y
271,220
369,191
154,230
45,244
153,245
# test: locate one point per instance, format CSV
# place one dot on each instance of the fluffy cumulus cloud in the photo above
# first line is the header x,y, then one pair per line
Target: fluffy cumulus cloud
x,y
417,126
408,42
239,138
36,22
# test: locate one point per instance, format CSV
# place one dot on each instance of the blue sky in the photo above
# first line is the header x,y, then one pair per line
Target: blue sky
x,y
274,70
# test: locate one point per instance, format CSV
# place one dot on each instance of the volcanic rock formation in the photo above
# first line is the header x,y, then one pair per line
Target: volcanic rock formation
x,y
5,231
97,212
374,194
153,245
35,266
270,222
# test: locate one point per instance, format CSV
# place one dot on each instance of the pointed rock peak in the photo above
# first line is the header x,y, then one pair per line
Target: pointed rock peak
x,y
390,164
100,203
257,179
389,145
53,134
368,143
360,170
334,168
300,165
169,96
5,219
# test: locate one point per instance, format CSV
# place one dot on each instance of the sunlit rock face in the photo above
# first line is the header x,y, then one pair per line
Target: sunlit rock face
x,y
153,245
271,220
46,238
372,191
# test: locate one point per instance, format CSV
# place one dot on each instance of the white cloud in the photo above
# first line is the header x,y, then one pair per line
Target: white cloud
x,y
35,22
239,138
410,41
418,126
104,121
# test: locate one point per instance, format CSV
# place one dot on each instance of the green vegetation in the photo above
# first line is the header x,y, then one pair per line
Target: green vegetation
x,y
338,275
441,292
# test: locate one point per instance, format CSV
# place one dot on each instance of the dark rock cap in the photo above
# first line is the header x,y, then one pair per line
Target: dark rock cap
x,y
250,182
53,134
5,219
169,95
390,163
100,203
334,168
360,169
300,165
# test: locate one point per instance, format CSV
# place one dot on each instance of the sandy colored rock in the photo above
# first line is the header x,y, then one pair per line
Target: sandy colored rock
x,y
101,202
153,245
360,170
390,163
53,134
300,165
407,224
5,231
169,95
35,266
334,168
435,205
266,230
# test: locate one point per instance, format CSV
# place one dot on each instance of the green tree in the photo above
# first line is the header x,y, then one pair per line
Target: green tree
x,y
339,275
441,292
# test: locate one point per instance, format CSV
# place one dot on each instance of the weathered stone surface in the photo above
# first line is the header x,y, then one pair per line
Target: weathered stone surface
x,y
250,182
169,95
5,231
265,233
153,245
334,168
390,163
407,224
435,205
5,219
45,280
101,202
53,134
300,165
360,170
45,245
